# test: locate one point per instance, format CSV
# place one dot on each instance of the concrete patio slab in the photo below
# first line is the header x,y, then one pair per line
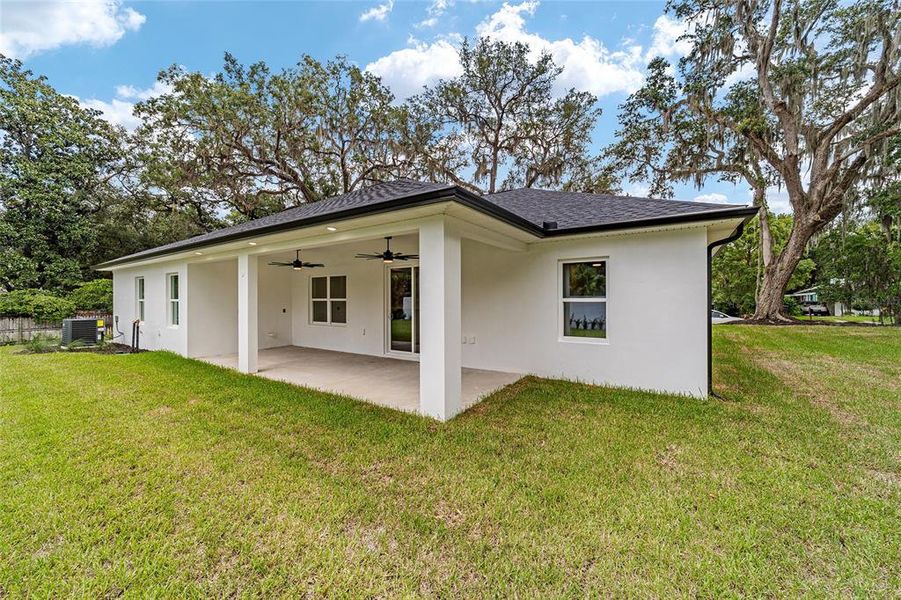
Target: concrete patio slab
x,y
380,380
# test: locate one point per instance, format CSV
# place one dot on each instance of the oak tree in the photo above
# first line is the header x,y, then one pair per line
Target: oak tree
x,y
799,94
254,141
59,163
499,125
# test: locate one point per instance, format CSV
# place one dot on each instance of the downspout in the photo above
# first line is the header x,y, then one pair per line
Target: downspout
x,y
735,235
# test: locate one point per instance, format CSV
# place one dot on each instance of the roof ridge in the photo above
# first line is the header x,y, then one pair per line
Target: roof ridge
x,y
616,196
528,210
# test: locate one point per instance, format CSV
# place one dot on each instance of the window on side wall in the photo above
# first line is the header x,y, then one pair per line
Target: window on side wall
x,y
583,302
139,298
328,300
172,295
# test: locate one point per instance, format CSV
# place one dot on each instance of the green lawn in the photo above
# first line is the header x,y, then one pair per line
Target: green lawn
x,y
853,319
592,333
401,330
158,476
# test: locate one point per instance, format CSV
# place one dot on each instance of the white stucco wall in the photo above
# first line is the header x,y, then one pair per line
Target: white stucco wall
x,y
213,310
274,305
656,308
156,333
367,312
656,330
656,317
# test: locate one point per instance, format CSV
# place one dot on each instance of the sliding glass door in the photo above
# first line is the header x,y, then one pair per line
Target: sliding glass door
x,y
403,309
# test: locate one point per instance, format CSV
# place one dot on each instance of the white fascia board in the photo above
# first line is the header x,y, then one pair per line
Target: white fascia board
x,y
717,229
313,236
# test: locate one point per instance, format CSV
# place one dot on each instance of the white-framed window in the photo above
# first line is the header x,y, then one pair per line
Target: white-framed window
x,y
583,300
328,300
139,298
172,299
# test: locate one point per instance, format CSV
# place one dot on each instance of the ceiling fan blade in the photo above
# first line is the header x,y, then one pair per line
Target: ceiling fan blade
x,y
280,264
361,255
313,265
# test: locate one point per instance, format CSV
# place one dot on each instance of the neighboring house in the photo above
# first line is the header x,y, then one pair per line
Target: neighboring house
x,y
809,296
596,288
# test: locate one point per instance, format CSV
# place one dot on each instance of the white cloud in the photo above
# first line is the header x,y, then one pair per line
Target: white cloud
x,y
130,92
436,9
120,110
712,198
406,71
666,42
116,111
637,190
508,17
777,200
587,64
377,13
747,70
28,28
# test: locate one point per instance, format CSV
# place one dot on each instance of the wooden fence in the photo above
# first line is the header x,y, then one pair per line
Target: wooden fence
x,y
17,330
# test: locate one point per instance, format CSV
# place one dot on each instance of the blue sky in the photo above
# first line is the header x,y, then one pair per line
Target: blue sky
x,y
107,53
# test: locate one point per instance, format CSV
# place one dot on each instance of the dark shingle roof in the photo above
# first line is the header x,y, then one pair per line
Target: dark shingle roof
x,y
528,209
365,197
571,210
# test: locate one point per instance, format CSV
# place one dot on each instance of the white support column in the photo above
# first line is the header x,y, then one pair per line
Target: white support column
x,y
440,359
248,340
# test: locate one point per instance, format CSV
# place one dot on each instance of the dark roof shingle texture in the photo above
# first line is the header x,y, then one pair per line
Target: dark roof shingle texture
x,y
368,196
570,211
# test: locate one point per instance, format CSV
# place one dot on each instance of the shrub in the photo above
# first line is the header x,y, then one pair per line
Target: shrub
x,y
792,306
94,295
41,344
37,304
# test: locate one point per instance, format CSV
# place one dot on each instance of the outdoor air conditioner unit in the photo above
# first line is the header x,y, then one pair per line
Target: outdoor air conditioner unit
x,y
81,330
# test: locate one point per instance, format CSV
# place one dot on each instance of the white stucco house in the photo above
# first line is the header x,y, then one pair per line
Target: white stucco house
x,y
475,292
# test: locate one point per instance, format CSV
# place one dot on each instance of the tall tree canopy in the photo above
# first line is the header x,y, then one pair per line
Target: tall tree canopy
x,y
253,141
738,267
803,94
860,266
58,166
497,125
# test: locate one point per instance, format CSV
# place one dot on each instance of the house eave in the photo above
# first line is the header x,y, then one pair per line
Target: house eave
x,y
456,195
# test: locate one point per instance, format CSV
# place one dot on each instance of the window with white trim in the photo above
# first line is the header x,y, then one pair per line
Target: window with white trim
x,y
583,300
328,300
172,298
139,298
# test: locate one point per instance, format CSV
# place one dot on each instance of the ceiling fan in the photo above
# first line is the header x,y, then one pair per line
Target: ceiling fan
x,y
297,264
388,256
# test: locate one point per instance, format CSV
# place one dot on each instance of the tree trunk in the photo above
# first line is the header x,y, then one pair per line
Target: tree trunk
x,y
492,177
766,236
770,301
